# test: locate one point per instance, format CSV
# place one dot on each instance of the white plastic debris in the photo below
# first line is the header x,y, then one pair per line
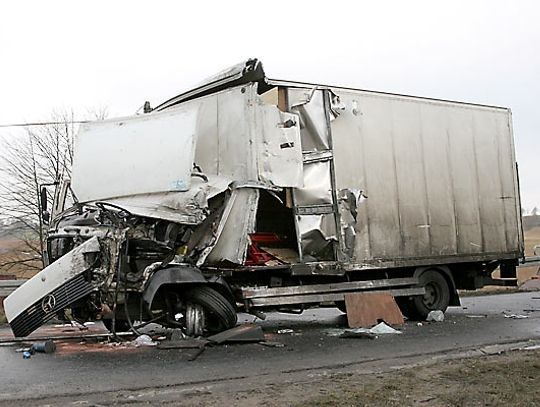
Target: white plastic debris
x,y
285,331
379,329
516,316
435,316
382,328
336,331
144,340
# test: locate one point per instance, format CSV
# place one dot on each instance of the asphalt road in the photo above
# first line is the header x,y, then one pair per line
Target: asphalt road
x,y
79,370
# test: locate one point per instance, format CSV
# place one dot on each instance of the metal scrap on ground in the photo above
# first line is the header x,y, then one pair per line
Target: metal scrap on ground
x,y
371,333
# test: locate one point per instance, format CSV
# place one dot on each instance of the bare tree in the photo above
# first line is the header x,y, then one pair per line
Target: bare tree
x,y
41,155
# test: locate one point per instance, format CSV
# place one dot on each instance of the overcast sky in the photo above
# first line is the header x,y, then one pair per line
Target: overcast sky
x,y
117,54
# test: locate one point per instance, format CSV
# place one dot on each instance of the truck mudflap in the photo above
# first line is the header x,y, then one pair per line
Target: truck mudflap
x,y
51,290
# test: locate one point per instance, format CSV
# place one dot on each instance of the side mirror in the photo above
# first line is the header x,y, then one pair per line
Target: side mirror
x,y
45,215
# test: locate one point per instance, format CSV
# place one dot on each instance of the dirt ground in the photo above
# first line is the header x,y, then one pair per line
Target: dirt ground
x,y
531,238
509,379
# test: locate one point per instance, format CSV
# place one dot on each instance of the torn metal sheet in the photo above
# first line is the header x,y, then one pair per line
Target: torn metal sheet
x,y
192,343
317,189
309,104
279,149
317,234
235,225
348,201
315,202
241,333
336,106
189,207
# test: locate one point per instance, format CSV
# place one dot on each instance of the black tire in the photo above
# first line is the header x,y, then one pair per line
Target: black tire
x,y
437,296
120,325
406,307
220,313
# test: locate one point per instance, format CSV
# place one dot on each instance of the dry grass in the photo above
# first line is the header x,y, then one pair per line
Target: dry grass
x,y
8,245
532,238
507,380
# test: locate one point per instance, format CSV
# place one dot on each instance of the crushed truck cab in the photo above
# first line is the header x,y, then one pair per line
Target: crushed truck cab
x,y
247,193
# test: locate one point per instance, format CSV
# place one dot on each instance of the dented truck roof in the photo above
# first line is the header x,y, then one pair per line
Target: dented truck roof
x,y
252,70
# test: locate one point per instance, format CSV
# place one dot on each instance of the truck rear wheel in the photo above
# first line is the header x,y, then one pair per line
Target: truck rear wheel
x,y
219,313
437,296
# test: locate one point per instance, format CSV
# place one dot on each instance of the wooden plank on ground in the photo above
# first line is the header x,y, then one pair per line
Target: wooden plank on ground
x,y
366,310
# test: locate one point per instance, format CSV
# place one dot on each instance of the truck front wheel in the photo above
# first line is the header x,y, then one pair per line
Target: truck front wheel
x,y
219,313
437,296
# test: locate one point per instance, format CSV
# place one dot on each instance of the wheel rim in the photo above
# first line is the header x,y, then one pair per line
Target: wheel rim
x,y
195,320
432,295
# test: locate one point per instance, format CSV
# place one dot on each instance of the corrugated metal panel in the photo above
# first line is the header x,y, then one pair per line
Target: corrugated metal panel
x,y
439,176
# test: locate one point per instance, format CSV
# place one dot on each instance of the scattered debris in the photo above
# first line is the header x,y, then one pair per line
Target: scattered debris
x,y
190,343
177,335
144,340
532,347
285,331
515,316
476,316
196,354
435,316
379,329
97,336
272,344
382,328
40,347
44,347
419,324
354,333
240,333
26,355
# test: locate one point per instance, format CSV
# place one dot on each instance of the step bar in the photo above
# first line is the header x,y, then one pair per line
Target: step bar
x,y
318,293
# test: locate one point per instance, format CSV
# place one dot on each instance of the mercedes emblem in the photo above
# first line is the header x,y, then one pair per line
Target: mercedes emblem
x,y
48,303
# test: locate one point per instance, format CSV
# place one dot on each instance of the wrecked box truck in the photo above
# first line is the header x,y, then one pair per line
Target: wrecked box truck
x,y
251,194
